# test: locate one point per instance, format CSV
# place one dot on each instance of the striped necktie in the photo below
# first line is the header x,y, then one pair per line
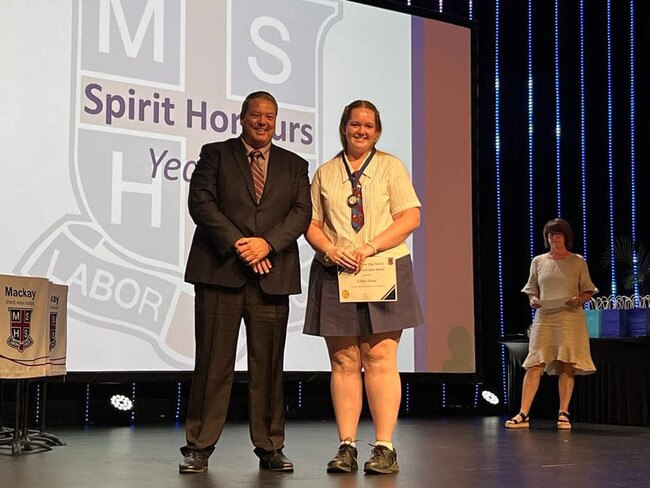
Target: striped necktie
x,y
357,220
258,172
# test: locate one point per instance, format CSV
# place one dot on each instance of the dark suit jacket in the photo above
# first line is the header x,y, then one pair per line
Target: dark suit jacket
x,y
222,204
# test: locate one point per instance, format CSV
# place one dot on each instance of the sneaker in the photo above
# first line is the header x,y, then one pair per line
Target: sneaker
x,y
345,460
194,462
382,461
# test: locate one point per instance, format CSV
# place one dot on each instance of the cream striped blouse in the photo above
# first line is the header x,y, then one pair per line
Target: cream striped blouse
x,y
386,189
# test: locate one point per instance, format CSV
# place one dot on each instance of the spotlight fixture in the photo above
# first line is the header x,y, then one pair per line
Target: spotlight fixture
x,y
121,402
490,397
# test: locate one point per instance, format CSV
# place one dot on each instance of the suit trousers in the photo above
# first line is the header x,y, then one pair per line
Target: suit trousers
x,y
218,315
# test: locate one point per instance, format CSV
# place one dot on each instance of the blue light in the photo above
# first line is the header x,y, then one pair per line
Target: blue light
x,y
87,406
558,130
440,5
179,392
37,414
407,394
530,130
610,147
444,395
133,400
497,161
531,218
635,259
300,395
476,396
583,131
471,10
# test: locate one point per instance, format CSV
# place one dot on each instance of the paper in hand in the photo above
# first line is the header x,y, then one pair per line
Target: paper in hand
x,y
555,304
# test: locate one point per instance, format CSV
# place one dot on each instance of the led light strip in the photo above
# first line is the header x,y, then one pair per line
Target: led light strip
x,y
87,406
37,415
179,391
407,394
133,400
531,232
610,147
531,174
497,161
635,257
583,131
558,128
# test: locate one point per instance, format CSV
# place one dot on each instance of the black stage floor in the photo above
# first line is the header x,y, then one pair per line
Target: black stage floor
x,y
442,452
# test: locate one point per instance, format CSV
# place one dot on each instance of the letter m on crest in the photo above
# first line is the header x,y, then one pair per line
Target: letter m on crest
x,y
154,10
142,40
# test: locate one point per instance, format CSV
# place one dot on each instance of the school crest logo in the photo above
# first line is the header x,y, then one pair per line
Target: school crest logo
x,y
53,316
20,325
149,89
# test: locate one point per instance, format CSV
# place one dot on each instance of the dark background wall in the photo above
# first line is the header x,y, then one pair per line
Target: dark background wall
x,y
602,129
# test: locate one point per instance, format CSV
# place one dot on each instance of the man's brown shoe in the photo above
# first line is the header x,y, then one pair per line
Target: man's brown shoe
x,y
273,460
194,462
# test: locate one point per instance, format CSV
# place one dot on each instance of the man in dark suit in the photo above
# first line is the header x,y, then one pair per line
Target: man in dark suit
x,y
250,202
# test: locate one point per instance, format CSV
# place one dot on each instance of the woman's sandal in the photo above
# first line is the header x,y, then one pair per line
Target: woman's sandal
x,y
563,422
519,421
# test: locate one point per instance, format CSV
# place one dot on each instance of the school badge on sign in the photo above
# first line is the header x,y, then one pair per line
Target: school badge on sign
x,y
153,81
24,351
20,323
53,316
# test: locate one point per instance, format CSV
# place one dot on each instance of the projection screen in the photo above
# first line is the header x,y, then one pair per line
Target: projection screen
x,y
107,103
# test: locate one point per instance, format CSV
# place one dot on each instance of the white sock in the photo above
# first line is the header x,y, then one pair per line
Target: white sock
x,y
349,442
387,444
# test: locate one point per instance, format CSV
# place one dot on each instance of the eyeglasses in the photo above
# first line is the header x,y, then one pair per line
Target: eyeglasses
x,y
552,234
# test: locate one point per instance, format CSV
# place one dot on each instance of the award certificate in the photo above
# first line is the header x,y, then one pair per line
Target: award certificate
x,y
376,282
554,304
